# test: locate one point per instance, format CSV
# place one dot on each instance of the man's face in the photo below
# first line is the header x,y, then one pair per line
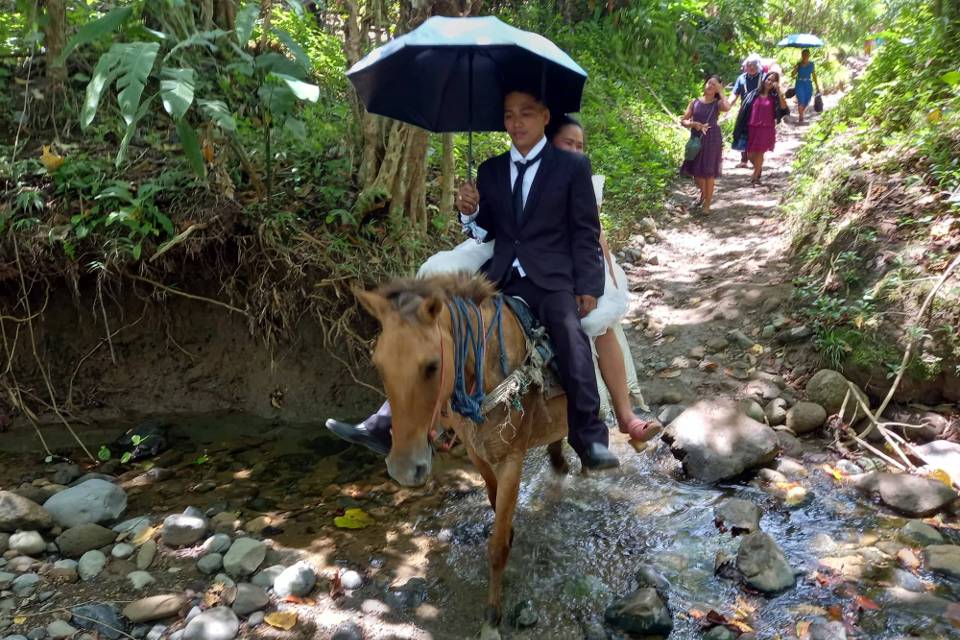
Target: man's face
x,y
525,119
752,68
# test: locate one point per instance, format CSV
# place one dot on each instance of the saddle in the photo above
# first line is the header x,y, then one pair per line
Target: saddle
x,y
541,353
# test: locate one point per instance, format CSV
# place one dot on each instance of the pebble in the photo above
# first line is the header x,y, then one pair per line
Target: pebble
x,y
154,607
122,551
298,580
266,577
25,584
217,543
350,579
920,534
410,595
104,619
244,557
156,632
148,551
140,579
255,619
60,629
210,563
226,580
29,543
349,630
249,598
181,529
219,623
91,564
943,559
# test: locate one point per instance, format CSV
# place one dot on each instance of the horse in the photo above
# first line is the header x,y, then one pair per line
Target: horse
x,y
414,355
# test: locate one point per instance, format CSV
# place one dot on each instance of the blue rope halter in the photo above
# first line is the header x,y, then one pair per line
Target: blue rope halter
x,y
465,339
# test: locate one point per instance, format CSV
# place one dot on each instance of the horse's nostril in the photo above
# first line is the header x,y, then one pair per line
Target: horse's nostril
x,y
421,472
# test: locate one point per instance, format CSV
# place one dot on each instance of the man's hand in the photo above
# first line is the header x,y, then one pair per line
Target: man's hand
x,y
468,199
586,304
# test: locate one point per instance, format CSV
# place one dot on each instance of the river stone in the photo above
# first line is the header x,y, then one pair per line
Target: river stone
x,y
941,454
91,564
668,413
154,607
297,580
763,565
805,417
219,623
244,556
29,543
828,388
217,543
148,551
76,541
715,440
140,580
17,512
25,584
266,577
524,615
775,412
409,595
910,495
641,612
256,618
92,501
156,632
60,629
350,580
790,444
249,598
103,618
210,563
920,534
181,530
923,603
761,390
4,542
824,630
132,525
738,516
753,409
122,551
943,558
225,580
6,579
349,630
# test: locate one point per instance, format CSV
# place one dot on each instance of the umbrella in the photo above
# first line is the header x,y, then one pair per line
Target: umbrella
x,y
449,74
801,41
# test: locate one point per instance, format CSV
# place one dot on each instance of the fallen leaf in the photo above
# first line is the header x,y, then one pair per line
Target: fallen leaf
x,y
908,558
669,373
19,619
281,619
866,603
292,599
942,476
756,349
354,518
207,151
836,473
336,586
835,613
51,160
803,627
144,535
696,614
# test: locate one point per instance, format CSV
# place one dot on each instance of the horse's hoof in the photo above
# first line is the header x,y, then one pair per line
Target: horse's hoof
x,y
489,632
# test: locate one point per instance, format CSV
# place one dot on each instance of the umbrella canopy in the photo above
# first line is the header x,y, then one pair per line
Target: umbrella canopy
x,y
449,74
801,41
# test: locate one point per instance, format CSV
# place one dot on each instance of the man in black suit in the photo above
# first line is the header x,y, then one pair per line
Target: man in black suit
x,y
538,203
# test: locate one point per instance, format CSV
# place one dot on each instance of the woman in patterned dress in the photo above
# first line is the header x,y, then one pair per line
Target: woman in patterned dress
x,y
701,119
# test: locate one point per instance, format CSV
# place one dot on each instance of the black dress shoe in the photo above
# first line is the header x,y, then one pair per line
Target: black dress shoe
x,y
360,434
598,457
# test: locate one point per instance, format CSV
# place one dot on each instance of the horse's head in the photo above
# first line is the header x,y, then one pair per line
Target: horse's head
x,y
414,357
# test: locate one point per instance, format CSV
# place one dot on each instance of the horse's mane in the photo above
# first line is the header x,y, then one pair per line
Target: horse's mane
x,y
406,294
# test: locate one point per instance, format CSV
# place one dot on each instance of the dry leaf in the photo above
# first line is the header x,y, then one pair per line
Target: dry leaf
x,y
803,627
354,519
835,613
144,535
756,349
51,160
207,151
866,603
942,476
669,373
19,619
281,619
836,473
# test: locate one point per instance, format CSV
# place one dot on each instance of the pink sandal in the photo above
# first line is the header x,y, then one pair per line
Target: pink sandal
x,y
642,430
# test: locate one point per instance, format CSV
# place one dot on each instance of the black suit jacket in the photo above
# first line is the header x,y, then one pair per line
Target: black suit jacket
x,y
558,239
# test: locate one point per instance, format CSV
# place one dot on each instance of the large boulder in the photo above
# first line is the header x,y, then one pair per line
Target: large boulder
x,y
828,388
93,501
715,440
910,495
941,454
17,512
763,565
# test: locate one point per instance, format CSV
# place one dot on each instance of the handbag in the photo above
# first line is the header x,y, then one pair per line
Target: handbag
x,y
818,103
692,149
790,93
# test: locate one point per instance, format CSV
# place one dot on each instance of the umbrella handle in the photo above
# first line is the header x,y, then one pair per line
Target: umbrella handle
x,y
470,116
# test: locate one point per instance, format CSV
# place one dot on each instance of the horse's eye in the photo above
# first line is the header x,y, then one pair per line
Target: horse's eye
x,y
430,369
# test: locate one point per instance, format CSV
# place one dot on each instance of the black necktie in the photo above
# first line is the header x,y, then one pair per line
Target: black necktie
x,y
518,184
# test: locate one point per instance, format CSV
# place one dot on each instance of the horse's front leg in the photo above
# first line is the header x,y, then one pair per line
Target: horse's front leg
x,y
508,488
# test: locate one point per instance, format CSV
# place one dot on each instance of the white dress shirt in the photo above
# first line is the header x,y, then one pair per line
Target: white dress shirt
x,y
515,156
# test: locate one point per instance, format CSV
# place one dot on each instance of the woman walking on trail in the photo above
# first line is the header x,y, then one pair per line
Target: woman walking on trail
x,y
762,111
806,79
701,119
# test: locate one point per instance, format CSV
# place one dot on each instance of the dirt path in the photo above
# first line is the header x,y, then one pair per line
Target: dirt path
x,y
707,275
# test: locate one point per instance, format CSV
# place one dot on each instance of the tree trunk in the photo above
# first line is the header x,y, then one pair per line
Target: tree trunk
x,y
448,175
266,12
225,14
55,37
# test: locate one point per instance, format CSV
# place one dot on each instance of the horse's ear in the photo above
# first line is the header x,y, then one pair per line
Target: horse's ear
x,y
430,308
375,304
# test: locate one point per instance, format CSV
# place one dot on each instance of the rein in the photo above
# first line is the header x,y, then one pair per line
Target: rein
x,y
466,339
